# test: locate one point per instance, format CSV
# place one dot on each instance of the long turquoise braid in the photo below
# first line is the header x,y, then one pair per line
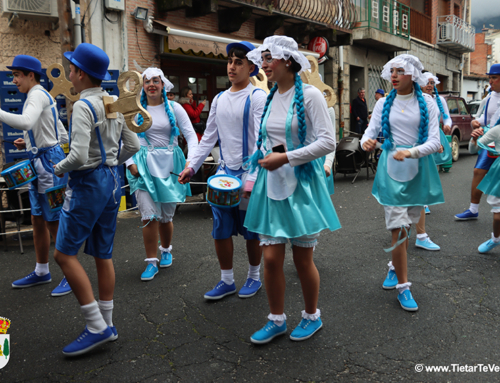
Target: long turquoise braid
x,y
171,118
252,163
386,126
140,119
423,130
440,104
303,171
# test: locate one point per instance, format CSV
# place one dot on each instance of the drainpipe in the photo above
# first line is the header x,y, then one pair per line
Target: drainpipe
x,y
341,90
77,24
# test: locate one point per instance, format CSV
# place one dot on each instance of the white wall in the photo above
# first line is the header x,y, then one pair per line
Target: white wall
x,y
473,86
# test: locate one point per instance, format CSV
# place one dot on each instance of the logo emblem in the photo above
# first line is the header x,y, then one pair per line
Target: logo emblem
x,y
4,342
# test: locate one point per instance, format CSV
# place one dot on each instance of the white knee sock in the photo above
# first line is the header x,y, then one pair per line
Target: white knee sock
x,y
474,208
227,276
106,308
277,319
93,317
254,272
152,261
403,287
41,269
422,236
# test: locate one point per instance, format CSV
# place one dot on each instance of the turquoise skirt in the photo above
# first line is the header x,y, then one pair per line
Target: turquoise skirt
x,y
307,211
329,180
491,182
424,189
442,158
164,190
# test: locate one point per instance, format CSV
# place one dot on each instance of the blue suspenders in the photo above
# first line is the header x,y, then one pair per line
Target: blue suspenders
x,y
32,136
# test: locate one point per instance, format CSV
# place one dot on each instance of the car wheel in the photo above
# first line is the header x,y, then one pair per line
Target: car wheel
x,y
455,147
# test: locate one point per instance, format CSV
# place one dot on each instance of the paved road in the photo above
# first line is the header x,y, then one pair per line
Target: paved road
x,y
169,333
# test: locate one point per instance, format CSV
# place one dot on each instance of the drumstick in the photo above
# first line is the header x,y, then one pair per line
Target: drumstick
x,y
9,141
178,175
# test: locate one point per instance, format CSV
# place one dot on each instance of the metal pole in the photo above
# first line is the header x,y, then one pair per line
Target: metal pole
x,y
77,24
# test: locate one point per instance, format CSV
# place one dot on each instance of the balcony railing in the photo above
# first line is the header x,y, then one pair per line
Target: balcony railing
x,y
388,16
337,14
455,34
421,26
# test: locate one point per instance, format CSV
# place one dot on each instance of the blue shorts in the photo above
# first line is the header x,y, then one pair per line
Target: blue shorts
x,y
89,212
40,206
483,161
229,222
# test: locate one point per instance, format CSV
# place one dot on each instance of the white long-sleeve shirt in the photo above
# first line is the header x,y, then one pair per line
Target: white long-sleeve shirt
x,y
85,152
331,156
405,125
226,121
493,106
159,132
37,116
320,136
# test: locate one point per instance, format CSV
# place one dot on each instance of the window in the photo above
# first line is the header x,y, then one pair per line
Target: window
x,y
452,106
462,108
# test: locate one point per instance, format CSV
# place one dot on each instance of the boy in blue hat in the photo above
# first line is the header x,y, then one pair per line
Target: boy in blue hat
x,y
43,132
91,204
234,111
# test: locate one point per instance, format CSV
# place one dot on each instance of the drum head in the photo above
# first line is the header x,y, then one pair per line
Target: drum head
x,y
224,182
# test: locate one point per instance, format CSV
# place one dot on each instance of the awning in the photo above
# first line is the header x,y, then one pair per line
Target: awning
x,y
185,38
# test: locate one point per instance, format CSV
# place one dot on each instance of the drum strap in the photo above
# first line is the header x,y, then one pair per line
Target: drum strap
x,y
54,115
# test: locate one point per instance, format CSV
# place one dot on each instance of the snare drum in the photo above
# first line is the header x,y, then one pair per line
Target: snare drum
x,y
223,191
55,197
19,174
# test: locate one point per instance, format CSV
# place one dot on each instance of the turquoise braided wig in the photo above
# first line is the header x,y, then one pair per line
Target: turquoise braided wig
x,y
386,126
303,171
423,129
252,163
175,129
440,104
140,119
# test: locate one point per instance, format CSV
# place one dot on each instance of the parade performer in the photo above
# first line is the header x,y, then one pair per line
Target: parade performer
x,y
233,121
442,156
43,134
290,201
93,195
149,171
485,158
407,177
490,185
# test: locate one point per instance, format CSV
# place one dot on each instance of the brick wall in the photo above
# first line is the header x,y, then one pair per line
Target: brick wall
x,y
478,58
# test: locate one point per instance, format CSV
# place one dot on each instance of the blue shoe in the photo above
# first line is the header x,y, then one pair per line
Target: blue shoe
x,y
115,333
87,341
427,244
407,302
268,333
427,210
31,280
487,246
390,281
149,273
220,291
250,288
466,215
166,259
63,289
306,329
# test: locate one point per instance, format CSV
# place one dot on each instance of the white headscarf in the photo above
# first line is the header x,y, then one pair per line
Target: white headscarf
x,y
156,72
280,47
429,76
411,65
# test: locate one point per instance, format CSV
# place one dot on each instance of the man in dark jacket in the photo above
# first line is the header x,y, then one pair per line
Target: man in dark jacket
x,y
359,111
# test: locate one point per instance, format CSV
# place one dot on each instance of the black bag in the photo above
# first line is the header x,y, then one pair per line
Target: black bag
x,y
199,127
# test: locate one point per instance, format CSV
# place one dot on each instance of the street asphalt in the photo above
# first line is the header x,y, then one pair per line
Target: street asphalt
x,y
169,333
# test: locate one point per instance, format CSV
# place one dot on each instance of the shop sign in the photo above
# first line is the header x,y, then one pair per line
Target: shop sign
x,y
320,46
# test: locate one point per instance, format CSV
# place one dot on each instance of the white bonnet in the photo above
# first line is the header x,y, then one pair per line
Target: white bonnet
x,y
429,76
280,47
411,65
156,72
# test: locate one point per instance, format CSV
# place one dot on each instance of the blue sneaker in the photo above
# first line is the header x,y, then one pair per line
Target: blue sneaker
x,y
487,246
250,288
220,291
63,289
306,329
268,333
166,259
466,215
390,281
87,341
407,302
31,280
149,273
115,333
427,244
427,210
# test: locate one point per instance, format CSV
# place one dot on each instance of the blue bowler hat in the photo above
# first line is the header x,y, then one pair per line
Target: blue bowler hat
x,y
381,91
27,63
494,69
90,59
247,47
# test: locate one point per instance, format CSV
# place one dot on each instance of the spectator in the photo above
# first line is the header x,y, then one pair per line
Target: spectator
x,y
171,96
193,111
359,111
379,93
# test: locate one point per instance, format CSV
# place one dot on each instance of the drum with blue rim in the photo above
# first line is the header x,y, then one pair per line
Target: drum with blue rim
x,y
20,174
223,191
